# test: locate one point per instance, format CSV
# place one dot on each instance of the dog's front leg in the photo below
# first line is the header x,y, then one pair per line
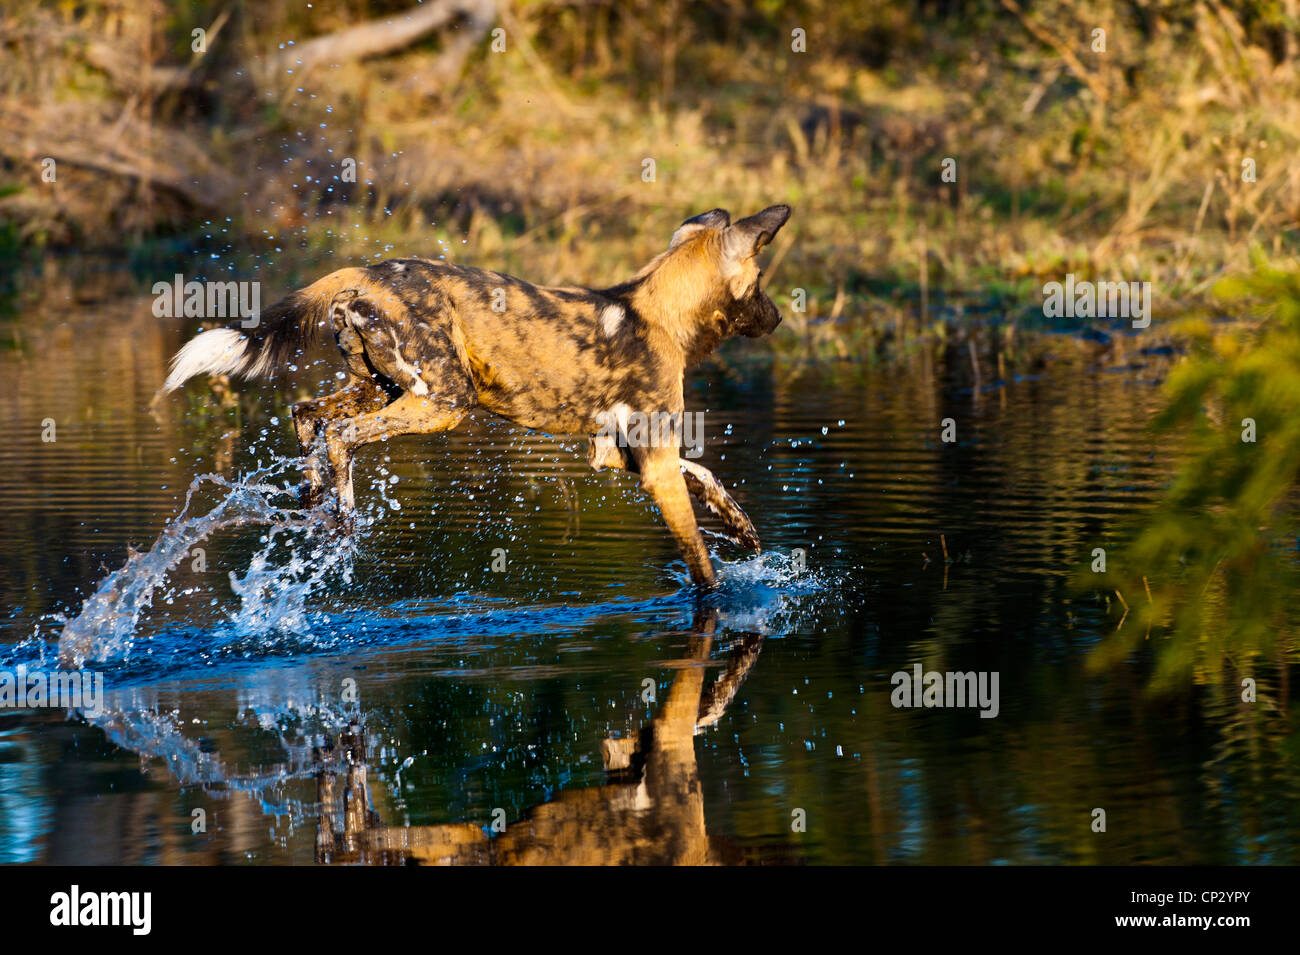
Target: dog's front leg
x,y
709,490
603,452
661,476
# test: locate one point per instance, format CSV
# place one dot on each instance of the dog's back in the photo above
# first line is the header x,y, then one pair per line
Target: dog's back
x,y
547,358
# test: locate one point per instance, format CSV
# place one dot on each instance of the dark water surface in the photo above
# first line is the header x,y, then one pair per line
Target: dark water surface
x,y
393,700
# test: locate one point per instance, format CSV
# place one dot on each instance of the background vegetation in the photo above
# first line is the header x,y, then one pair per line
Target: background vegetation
x,y
1125,163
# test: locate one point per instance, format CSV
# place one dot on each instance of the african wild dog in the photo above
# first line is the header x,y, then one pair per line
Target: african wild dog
x,y
426,343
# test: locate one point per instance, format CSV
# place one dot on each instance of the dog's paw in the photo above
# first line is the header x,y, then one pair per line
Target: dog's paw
x,y
736,523
333,519
311,495
342,524
746,537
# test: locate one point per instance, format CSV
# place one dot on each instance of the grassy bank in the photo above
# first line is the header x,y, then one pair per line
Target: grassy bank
x,y
1122,163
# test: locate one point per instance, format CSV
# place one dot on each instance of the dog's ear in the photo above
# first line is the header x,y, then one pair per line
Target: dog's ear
x,y
713,219
748,236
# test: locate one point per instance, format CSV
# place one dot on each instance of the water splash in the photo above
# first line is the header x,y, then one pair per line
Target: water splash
x,y
107,623
773,593
301,556
274,596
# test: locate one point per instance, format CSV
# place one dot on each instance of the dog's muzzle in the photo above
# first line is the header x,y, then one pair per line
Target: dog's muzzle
x,y
761,318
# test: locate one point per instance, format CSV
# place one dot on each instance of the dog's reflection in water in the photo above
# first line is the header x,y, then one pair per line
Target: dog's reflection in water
x,y
650,812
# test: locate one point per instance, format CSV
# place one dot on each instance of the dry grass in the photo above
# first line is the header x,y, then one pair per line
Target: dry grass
x,y
1123,164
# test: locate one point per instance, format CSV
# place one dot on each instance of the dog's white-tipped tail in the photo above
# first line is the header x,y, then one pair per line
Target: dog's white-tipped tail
x,y
217,351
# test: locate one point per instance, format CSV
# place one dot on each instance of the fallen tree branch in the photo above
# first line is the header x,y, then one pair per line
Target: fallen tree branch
x,y
378,37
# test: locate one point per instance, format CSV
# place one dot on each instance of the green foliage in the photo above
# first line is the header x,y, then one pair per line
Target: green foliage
x,y
1212,552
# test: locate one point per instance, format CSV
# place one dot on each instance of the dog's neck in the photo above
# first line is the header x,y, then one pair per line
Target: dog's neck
x,y
680,296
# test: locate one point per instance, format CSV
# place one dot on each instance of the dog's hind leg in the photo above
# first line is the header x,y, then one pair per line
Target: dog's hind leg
x,y
409,414
410,345
361,396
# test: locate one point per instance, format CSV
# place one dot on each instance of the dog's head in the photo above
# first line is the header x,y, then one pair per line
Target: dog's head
x,y
739,305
